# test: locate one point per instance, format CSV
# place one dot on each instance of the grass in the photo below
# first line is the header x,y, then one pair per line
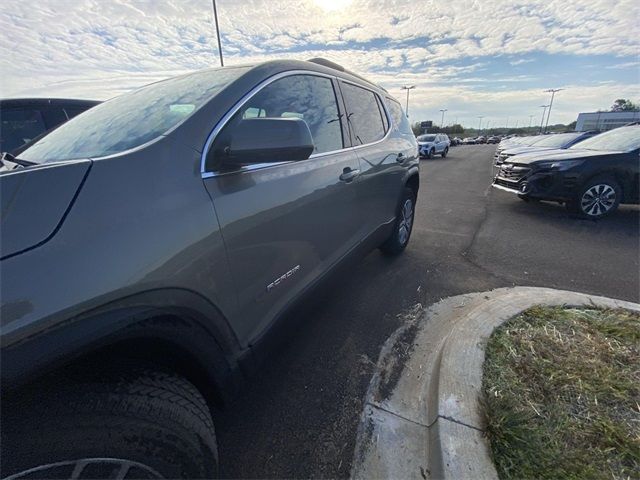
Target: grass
x,y
562,394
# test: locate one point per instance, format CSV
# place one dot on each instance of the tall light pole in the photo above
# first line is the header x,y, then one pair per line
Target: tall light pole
x,y
507,127
442,121
530,120
544,109
553,92
480,123
407,88
215,19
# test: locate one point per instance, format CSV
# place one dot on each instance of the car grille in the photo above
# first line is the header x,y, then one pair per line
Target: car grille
x,y
502,157
513,173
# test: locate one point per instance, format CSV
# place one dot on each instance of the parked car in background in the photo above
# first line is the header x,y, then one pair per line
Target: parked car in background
x,y
455,141
493,139
512,142
591,178
24,119
481,139
433,144
151,245
469,141
547,142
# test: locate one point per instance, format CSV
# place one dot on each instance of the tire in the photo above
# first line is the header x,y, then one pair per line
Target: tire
x,y
597,198
430,154
399,238
444,153
153,423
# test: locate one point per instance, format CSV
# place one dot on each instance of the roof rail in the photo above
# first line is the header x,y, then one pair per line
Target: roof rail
x,y
335,66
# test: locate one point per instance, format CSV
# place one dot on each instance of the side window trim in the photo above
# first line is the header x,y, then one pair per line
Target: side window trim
x,y
387,133
205,173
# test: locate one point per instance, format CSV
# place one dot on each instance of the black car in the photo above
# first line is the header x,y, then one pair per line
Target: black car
x,y
591,178
23,119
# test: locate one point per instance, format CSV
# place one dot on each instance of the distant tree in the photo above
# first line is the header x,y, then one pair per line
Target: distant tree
x,y
624,105
571,127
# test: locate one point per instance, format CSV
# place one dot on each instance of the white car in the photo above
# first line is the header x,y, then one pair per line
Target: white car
x,y
432,144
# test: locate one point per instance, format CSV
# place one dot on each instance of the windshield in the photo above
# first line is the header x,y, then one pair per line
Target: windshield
x,y
132,119
557,140
623,139
426,138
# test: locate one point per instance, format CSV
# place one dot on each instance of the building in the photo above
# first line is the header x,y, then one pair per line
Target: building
x,y
605,120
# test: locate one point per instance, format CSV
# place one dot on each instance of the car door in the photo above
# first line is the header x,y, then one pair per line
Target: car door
x,y
382,153
285,224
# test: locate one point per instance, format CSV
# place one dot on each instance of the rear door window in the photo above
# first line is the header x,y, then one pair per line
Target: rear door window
x,y
400,121
364,116
19,126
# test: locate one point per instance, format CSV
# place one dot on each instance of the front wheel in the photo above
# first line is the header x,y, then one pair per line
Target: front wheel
x,y
125,423
444,153
430,154
597,198
401,233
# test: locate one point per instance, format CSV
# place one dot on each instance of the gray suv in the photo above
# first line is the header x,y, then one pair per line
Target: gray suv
x,y
150,245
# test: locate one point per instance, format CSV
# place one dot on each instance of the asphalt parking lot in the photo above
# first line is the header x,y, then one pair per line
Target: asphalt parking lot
x,y
298,417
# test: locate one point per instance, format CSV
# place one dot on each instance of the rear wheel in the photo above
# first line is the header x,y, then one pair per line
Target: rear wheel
x,y
132,423
399,238
597,198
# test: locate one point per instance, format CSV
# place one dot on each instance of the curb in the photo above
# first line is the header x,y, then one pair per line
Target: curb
x,y
422,418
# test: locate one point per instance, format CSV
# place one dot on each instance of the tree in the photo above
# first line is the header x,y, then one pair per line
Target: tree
x,y
624,105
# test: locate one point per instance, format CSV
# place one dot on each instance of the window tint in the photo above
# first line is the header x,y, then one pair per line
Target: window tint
x,y
364,114
308,97
385,120
19,126
132,119
400,121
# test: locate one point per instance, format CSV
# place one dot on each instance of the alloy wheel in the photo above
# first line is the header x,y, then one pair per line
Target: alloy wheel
x,y
406,221
598,200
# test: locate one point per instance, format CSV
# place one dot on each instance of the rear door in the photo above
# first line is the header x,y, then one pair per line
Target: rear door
x,y
285,224
382,154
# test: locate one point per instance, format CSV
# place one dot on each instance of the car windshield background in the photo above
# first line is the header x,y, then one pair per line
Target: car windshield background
x,y
364,114
426,138
623,139
132,119
557,140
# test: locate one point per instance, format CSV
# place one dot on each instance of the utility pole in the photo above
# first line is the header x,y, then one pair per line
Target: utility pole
x,y
215,19
480,123
517,123
442,121
544,109
507,127
407,88
553,92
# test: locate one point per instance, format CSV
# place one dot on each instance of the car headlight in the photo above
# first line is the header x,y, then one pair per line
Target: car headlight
x,y
558,165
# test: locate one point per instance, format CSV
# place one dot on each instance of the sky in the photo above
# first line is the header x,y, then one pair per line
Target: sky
x,y
491,58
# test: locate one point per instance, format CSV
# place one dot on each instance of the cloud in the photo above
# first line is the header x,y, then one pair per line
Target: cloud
x,y
97,49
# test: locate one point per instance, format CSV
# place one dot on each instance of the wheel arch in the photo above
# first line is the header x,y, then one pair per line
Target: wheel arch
x,y
413,181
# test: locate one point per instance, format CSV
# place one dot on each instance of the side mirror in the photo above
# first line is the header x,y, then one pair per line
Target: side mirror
x,y
269,140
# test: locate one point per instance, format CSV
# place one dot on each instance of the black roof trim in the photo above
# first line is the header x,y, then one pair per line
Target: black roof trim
x,y
335,66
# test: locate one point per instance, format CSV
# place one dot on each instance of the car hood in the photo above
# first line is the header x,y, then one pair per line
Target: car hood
x,y
34,202
522,149
559,154
422,144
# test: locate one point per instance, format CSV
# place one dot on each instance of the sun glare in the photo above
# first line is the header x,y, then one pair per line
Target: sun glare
x,y
332,5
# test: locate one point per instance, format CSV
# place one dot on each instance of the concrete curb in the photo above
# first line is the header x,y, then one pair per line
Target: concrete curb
x,y
422,417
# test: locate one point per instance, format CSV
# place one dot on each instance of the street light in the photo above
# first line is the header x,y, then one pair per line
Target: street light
x,y
442,121
530,120
480,123
544,109
553,92
407,88
215,19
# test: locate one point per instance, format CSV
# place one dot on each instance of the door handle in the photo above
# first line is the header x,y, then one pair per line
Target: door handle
x,y
348,174
400,157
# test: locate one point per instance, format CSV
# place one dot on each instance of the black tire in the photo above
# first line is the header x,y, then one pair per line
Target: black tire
x,y
597,198
430,154
152,422
444,153
397,241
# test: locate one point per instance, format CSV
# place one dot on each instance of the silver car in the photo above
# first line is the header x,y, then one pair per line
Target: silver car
x,y
151,244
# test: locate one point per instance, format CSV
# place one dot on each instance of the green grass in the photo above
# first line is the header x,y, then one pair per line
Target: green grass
x,y
561,394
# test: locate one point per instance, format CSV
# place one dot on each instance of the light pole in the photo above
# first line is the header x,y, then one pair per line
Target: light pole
x,y
553,92
480,123
507,127
442,121
530,120
407,88
215,19
544,109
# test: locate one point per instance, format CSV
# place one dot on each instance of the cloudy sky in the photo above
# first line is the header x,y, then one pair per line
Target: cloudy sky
x,y
492,58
